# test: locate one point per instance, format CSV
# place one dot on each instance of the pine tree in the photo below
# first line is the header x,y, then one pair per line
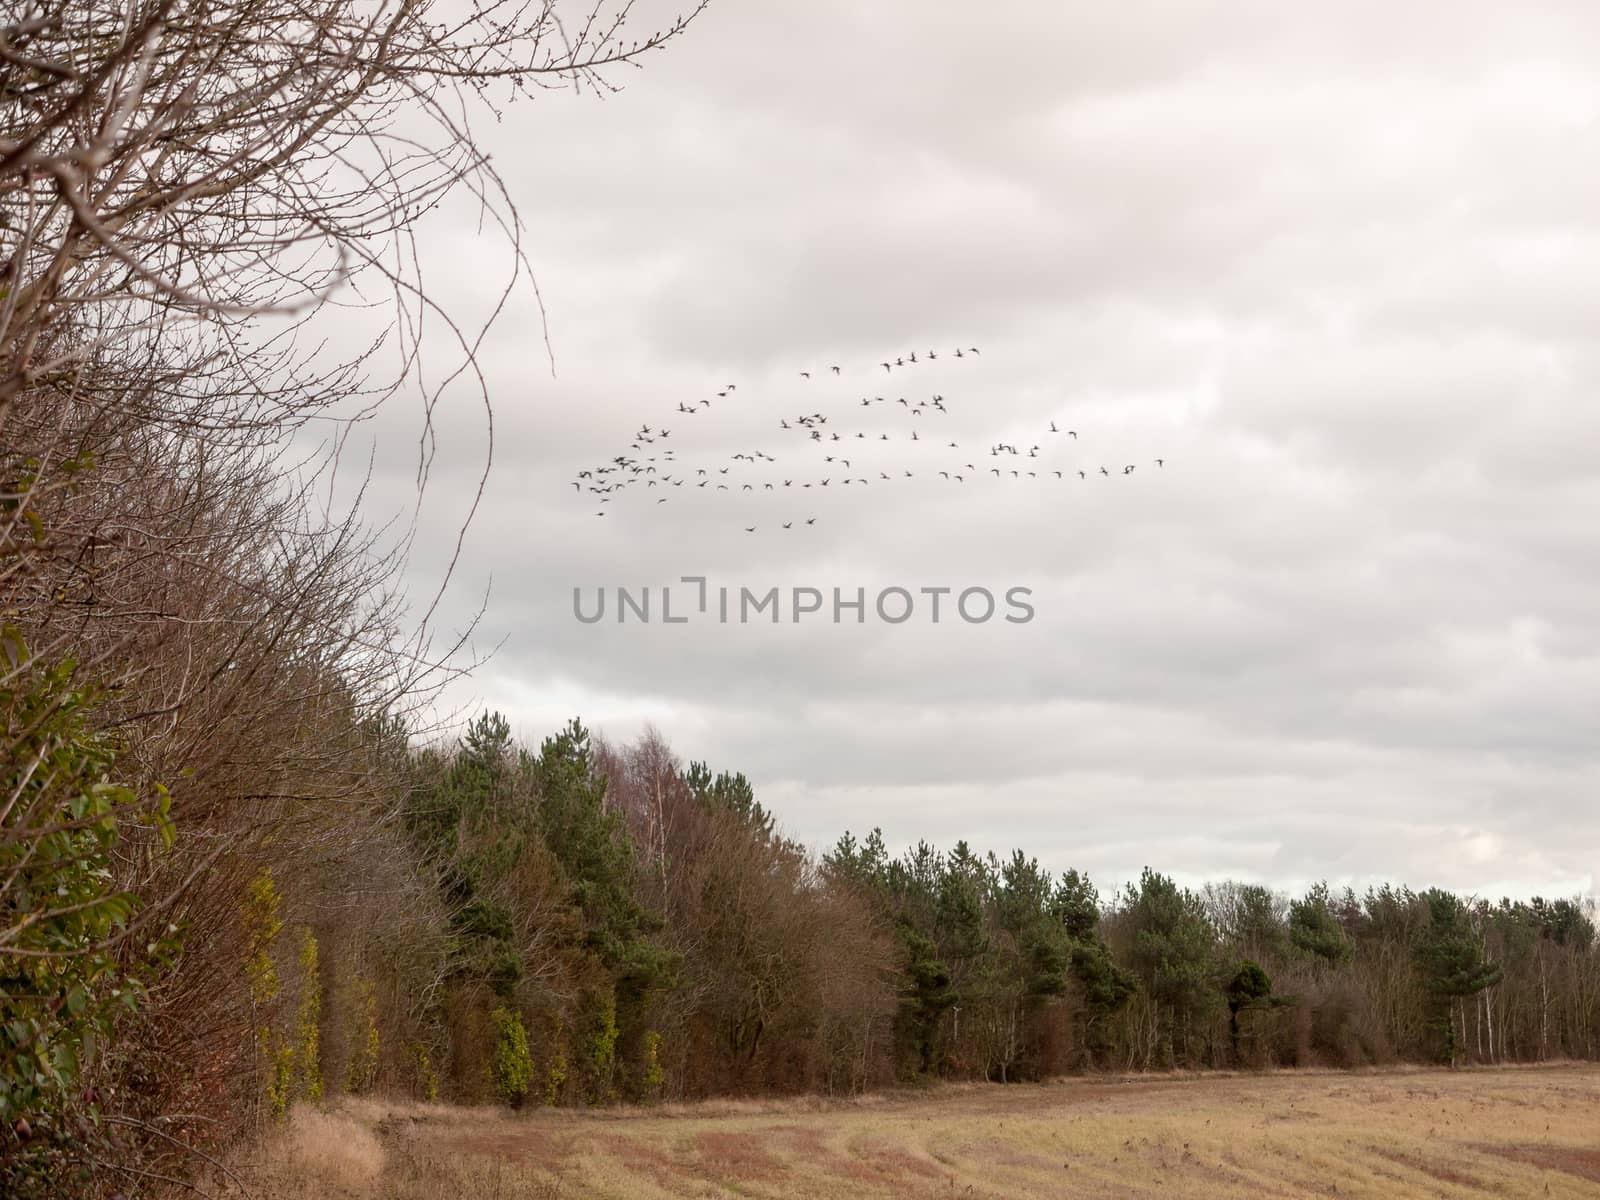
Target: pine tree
x,y
1451,955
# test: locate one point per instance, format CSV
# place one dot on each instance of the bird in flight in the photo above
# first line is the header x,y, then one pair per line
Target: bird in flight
x,y
626,471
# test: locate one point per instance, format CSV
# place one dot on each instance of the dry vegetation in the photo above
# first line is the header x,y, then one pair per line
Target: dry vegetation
x,y
1502,1132
239,867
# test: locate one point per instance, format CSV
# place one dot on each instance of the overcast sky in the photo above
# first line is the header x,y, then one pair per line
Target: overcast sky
x,y
1340,271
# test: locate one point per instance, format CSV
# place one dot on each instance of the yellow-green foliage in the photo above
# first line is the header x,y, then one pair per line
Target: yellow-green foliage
x,y
427,1080
309,1033
363,1070
280,1077
603,1044
653,1074
512,1066
262,925
556,1077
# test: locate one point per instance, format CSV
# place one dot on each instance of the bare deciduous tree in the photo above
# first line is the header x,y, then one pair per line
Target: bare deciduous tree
x,y
185,188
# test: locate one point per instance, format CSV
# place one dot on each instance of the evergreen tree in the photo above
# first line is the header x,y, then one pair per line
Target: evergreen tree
x,y
732,792
1104,986
1315,931
591,845
461,815
1451,955
1249,987
1173,947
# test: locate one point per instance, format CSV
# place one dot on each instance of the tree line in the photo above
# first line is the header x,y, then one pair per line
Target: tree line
x,y
593,923
586,923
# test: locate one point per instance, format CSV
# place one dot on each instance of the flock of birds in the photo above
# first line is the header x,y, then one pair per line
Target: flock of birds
x,y
828,449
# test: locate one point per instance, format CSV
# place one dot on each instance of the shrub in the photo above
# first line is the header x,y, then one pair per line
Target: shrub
x,y
603,1047
654,1076
262,924
427,1081
512,1066
309,1034
362,1072
62,980
556,1077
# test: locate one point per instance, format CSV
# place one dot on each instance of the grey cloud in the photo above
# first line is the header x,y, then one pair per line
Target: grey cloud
x,y
1334,265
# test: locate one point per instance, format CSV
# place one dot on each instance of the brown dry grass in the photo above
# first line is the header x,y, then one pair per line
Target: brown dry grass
x,y
1381,1135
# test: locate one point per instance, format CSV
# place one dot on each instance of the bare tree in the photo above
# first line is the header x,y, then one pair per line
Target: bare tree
x,y
185,188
